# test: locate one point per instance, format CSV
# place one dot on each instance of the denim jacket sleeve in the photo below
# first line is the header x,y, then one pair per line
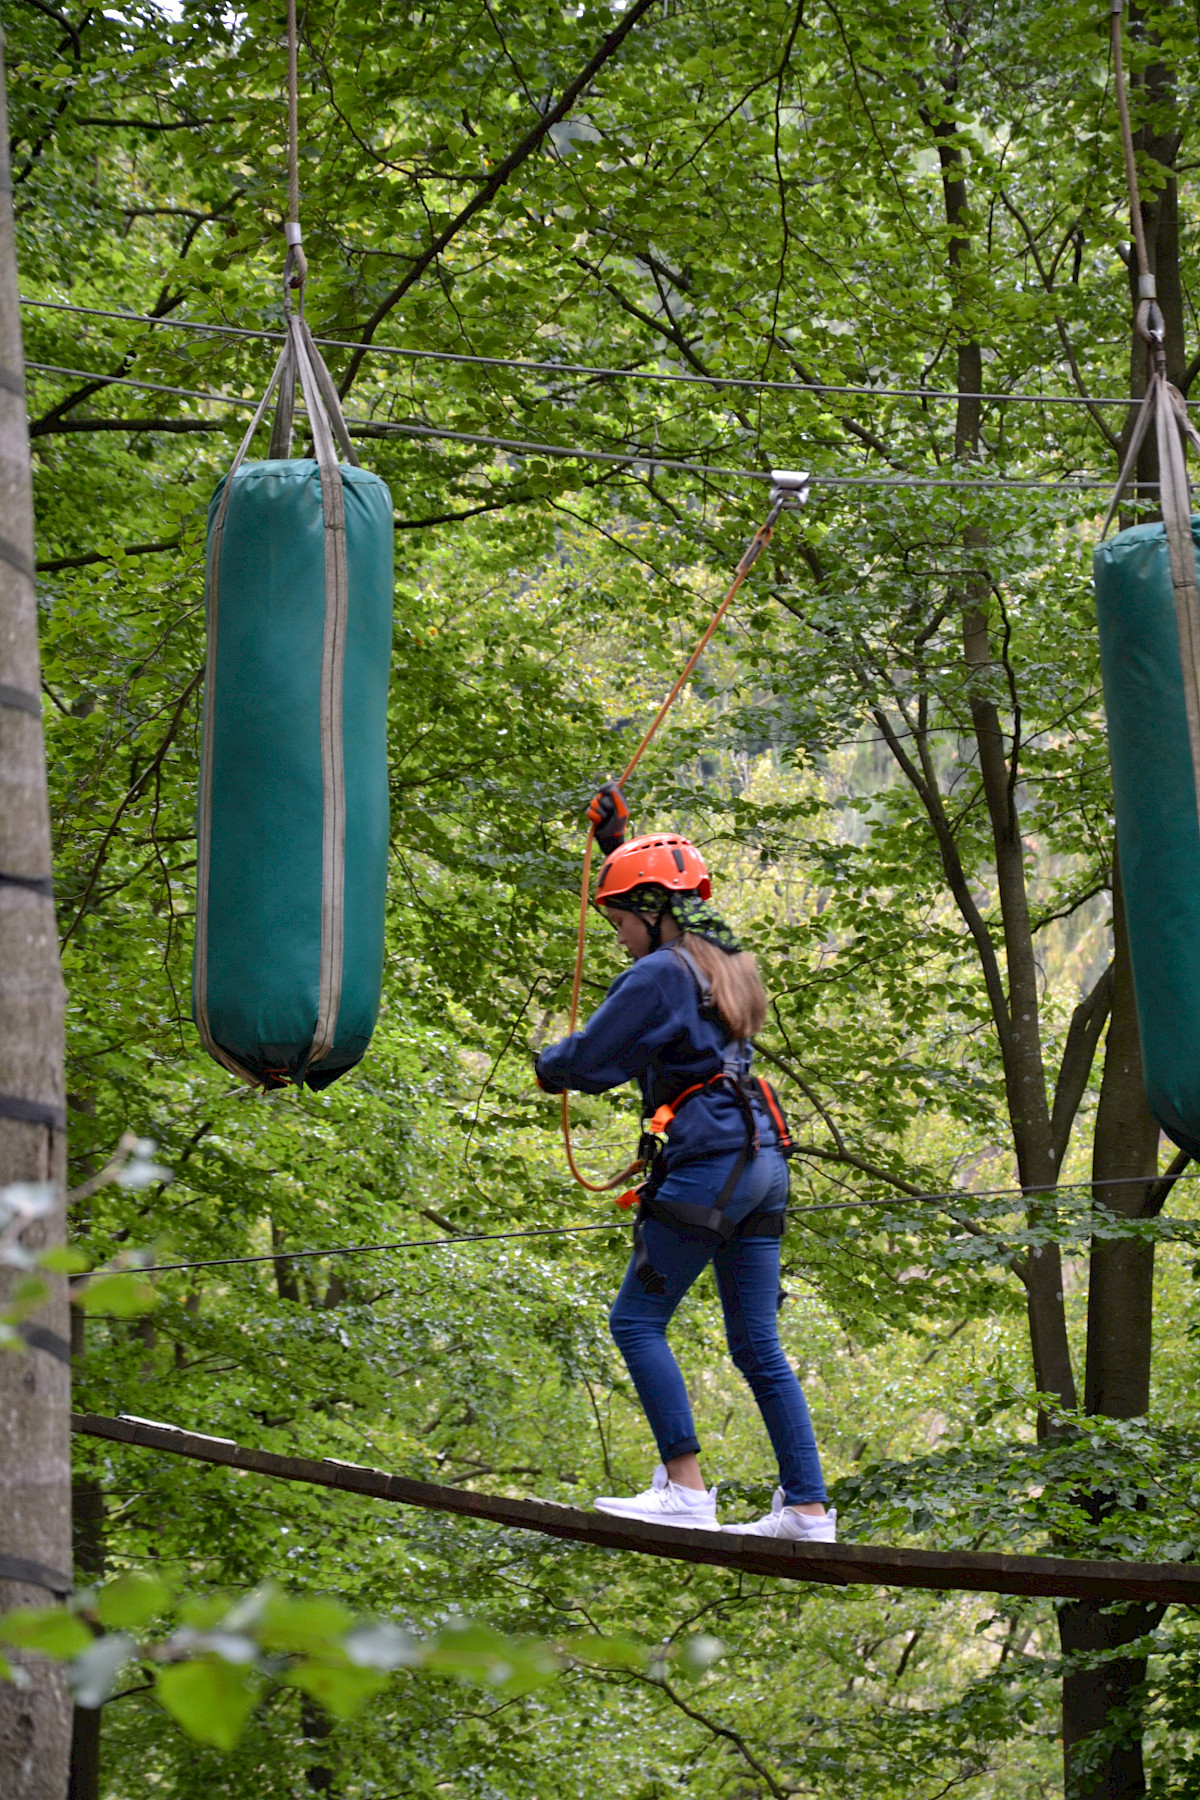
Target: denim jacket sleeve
x,y
619,1040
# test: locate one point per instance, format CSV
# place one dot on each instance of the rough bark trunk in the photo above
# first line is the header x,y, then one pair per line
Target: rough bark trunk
x,y
1121,1272
35,1491
88,1512
1095,1768
1117,1384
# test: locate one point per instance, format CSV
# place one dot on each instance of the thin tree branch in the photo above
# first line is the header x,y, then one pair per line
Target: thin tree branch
x,y
151,767
720,1731
55,563
54,427
1079,1052
499,176
1156,1196
156,124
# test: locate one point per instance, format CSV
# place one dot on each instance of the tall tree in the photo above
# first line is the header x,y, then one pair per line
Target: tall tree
x,y
35,1482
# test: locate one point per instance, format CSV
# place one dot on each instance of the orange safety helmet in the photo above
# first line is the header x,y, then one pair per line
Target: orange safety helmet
x,y
663,859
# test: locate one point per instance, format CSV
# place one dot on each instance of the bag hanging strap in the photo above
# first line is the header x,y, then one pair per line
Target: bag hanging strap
x,y
299,362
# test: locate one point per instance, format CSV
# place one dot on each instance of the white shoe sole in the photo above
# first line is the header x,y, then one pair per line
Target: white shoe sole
x,y
779,1537
685,1520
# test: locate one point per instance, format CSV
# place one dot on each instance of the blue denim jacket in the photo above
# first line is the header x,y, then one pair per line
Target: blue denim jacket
x,y
650,1029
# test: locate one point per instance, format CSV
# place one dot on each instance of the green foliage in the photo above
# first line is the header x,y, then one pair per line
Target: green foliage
x,y
210,1671
745,193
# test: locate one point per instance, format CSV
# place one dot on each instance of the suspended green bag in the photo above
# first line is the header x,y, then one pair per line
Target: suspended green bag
x,y
292,830
1149,612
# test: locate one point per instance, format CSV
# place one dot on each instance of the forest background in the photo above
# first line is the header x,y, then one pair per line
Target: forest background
x,y
893,760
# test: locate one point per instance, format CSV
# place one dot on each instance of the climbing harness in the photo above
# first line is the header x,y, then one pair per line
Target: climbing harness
x,y
789,490
292,821
1148,606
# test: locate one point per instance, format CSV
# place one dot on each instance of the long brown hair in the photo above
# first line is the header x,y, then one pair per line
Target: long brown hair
x,y
737,989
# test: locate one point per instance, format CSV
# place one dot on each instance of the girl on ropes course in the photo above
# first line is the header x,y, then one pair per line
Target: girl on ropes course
x,y
679,1023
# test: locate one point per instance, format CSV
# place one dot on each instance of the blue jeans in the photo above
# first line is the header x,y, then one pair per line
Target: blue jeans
x,y
747,1271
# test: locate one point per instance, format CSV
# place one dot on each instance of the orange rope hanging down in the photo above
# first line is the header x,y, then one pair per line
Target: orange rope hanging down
x,y
788,489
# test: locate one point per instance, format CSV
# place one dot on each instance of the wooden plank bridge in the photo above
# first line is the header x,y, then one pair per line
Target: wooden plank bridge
x,y
838,1565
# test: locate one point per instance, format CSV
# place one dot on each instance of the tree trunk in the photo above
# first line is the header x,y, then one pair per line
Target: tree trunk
x,y
87,1505
35,1492
1121,1271
1117,1384
1016,1014
1101,1770
317,1728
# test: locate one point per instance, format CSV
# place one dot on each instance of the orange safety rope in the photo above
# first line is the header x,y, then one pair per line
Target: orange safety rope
x,y
753,550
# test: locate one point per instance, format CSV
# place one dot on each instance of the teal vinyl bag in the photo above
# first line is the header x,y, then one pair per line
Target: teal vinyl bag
x,y
1154,767
292,823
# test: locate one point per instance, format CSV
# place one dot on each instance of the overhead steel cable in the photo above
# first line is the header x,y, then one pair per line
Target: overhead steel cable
x,y
898,1200
1050,485
756,383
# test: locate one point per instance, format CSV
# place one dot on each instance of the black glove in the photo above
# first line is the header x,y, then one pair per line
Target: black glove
x,y
542,1082
609,815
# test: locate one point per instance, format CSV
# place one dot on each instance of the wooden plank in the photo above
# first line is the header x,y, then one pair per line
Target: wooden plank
x,y
839,1565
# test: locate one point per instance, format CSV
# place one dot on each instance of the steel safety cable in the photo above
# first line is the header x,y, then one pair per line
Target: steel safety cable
x,y
296,268
756,383
951,1196
1048,487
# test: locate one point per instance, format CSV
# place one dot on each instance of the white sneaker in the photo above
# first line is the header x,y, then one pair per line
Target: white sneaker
x,y
665,1503
785,1522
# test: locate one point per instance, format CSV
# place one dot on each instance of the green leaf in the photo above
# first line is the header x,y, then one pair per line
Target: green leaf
x,y
131,1600
211,1699
477,1653
203,1612
65,1259
605,1652
298,1624
341,1688
123,1296
52,1632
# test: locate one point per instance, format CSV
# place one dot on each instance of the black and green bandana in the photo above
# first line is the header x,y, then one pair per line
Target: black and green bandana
x,y
689,912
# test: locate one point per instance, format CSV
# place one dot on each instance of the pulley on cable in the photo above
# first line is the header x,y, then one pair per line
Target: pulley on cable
x,y
292,826
1148,604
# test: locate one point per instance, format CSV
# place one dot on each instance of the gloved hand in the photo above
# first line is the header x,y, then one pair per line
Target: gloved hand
x,y
610,815
541,1080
